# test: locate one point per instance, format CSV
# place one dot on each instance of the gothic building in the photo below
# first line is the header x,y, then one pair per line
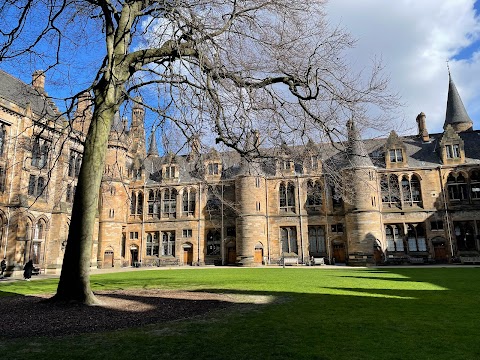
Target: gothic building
x,y
404,198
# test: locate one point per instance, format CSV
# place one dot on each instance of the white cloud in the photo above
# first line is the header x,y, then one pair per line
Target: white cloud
x,y
415,38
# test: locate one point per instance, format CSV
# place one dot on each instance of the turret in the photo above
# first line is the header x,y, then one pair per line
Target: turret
x,y
456,115
362,203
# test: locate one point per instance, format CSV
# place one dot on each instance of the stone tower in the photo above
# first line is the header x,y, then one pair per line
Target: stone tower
x,y
362,205
113,198
250,190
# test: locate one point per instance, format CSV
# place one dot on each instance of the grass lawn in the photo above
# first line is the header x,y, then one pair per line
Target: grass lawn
x,y
390,313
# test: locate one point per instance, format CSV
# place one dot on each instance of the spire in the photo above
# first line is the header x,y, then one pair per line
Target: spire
x,y
152,149
456,114
117,125
357,155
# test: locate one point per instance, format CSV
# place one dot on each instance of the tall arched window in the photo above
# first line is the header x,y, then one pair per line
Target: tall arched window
x,y
41,186
316,240
416,238
394,236
475,184
457,187
314,196
170,203
3,139
287,197
168,243
411,193
213,242
288,239
188,201
133,204
37,241
140,203
390,190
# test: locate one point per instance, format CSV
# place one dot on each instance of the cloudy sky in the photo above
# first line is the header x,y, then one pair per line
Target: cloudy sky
x,y
415,38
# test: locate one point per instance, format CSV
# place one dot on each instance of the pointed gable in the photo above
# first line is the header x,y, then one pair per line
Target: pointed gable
x,y
395,152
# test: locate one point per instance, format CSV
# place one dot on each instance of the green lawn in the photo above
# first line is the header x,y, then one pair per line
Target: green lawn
x,y
425,313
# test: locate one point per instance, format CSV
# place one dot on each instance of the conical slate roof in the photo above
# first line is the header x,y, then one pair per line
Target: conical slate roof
x,y
152,149
357,155
456,112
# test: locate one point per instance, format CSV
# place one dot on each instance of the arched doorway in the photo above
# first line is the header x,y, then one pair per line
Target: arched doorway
x,y
338,252
258,257
108,259
133,255
377,252
440,250
188,254
231,253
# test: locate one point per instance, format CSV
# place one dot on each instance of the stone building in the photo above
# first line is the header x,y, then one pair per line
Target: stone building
x,y
404,198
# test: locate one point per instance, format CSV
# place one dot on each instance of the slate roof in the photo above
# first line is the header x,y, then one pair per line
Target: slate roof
x,y
21,94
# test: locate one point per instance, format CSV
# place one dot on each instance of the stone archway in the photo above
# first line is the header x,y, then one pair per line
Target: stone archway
x,y
133,255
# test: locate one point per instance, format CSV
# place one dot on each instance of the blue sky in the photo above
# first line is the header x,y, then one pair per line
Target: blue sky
x,y
414,39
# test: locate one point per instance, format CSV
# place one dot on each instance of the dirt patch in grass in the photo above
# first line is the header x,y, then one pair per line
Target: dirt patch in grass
x,y
29,316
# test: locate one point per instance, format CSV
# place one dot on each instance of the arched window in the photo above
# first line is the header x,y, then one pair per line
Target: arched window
x,y
71,164
170,203
37,241
36,152
394,236
475,184
44,154
133,204
287,197
213,242
416,238
314,196
390,190
288,239
168,243
78,164
188,201
140,203
457,187
411,190
40,186
3,133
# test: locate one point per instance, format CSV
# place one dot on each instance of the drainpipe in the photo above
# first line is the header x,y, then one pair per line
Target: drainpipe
x,y
222,250
445,204
267,218
199,222
300,218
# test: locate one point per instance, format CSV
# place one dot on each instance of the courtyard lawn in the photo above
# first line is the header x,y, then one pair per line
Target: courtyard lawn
x,y
314,313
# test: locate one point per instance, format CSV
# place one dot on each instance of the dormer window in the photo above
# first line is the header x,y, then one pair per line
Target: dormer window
x,y
396,155
452,151
286,165
169,172
213,168
314,162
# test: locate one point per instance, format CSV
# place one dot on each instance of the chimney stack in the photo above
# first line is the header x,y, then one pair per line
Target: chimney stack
x,y
38,80
422,127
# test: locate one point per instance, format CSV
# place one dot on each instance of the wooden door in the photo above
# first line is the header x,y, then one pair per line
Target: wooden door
x,y
188,256
231,255
339,253
377,256
440,252
108,259
133,257
258,258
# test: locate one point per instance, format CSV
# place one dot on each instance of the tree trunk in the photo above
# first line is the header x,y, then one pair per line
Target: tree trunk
x,y
74,285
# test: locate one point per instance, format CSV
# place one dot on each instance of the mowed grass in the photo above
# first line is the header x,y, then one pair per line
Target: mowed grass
x,y
424,313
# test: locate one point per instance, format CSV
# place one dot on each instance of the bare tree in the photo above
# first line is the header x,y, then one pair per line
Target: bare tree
x,y
217,68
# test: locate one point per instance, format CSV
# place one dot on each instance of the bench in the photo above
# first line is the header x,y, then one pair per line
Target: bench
x,y
470,259
290,261
415,260
318,261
